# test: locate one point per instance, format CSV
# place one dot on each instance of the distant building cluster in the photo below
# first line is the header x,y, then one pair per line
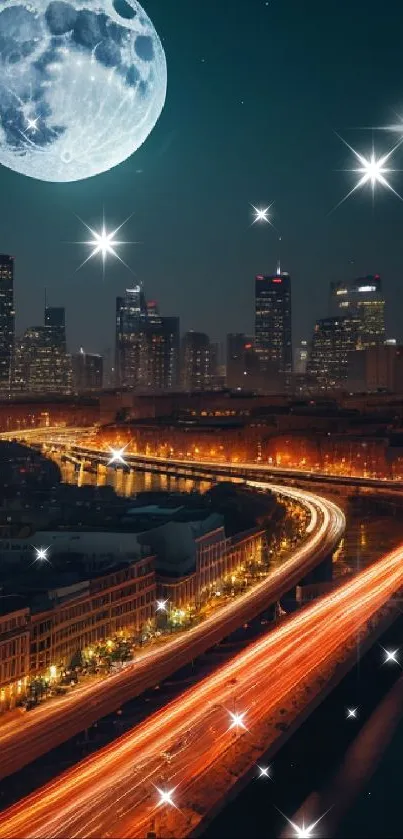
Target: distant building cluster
x,y
348,349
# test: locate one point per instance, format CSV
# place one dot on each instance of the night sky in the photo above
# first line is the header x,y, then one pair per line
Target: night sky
x,y
256,92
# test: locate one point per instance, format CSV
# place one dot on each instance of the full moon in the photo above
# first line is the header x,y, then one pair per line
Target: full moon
x,y
82,84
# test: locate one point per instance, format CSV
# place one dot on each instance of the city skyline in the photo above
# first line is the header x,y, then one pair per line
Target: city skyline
x,y
191,213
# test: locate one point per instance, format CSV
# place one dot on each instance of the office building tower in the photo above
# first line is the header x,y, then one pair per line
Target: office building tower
x,y
301,358
362,299
217,365
55,324
87,369
41,366
7,322
333,340
147,344
243,366
131,315
162,343
235,359
273,335
195,361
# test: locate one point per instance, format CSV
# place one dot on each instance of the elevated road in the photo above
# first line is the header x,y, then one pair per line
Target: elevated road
x,y
183,748
42,729
70,438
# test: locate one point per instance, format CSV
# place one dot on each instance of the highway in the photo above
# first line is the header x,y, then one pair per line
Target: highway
x,y
115,792
248,470
24,739
60,437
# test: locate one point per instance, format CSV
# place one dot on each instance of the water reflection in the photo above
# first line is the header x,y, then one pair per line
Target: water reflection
x,y
129,483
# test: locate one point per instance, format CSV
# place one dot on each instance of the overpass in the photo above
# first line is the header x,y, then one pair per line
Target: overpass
x,y
66,439
44,728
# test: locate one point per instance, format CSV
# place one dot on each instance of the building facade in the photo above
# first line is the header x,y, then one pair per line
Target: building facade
x,y
363,300
87,370
41,362
7,322
195,361
333,340
14,655
147,344
273,328
91,612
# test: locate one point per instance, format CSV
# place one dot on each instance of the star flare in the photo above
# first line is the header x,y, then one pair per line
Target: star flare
x,y
265,772
104,242
32,124
262,214
351,713
237,720
371,170
391,656
166,796
303,831
161,606
41,555
117,456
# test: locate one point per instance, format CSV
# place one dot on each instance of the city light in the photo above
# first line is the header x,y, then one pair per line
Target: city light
x,y
262,214
161,606
391,656
166,797
237,720
351,713
41,555
117,456
372,170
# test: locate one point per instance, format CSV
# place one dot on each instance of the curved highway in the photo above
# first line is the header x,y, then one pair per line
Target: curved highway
x,y
60,436
183,748
25,739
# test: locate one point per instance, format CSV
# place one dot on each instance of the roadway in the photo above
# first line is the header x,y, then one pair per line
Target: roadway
x,y
183,747
59,437
25,739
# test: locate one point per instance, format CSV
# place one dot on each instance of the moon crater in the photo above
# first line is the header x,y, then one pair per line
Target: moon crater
x,y
82,84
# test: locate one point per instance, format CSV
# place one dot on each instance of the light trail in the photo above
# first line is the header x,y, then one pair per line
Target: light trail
x,y
25,739
83,801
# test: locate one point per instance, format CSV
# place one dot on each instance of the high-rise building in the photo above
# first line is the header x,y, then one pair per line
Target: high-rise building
x,y
362,299
7,322
41,366
235,359
273,334
147,344
301,358
333,340
87,371
195,361
131,315
162,341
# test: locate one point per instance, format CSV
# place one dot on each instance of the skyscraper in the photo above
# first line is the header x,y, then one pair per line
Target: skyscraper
x,y
195,361
55,324
7,322
333,340
87,371
162,340
131,314
42,364
362,299
147,344
301,358
273,334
